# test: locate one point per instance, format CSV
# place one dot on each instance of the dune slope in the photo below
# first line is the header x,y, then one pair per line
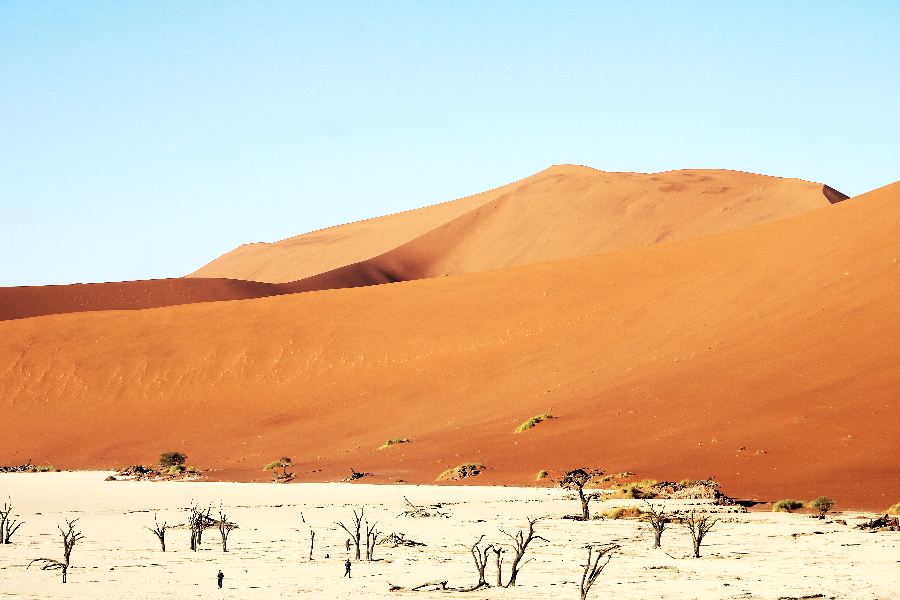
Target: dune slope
x,y
561,212
763,356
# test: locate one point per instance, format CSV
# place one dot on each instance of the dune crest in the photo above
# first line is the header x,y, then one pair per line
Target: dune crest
x,y
561,212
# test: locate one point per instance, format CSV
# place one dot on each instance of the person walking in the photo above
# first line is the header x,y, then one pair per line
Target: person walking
x,y
347,567
220,577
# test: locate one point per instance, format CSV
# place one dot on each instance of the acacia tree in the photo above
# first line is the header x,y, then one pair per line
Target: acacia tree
x,y
519,546
356,535
575,481
593,568
170,459
8,525
822,505
699,527
70,537
658,521
160,531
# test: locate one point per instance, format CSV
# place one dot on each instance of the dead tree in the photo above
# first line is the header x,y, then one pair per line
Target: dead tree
x,y
160,531
8,525
498,550
575,481
372,536
481,557
699,527
198,520
70,537
225,529
658,521
312,542
357,524
593,568
520,546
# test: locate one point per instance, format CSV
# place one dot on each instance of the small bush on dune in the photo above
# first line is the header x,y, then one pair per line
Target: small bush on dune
x,y
176,470
787,505
895,509
461,472
395,441
46,469
541,475
532,422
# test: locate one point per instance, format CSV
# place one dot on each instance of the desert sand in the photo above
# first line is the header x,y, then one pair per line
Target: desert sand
x,y
762,355
753,555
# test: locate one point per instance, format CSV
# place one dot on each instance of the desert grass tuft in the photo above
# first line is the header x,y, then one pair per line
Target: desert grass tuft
x,y
532,422
787,505
621,512
541,475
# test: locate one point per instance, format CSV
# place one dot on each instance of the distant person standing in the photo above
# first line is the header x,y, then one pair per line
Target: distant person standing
x,y
220,577
347,568
347,545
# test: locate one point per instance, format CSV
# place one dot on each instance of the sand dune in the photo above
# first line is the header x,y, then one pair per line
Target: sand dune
x,y
33,301
561,212
763,356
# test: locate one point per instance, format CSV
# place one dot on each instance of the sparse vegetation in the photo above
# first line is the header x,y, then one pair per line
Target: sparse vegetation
x,y
532,422
894,510
620,512
461,472
46,469
787,505
822,505
394,442
170,459
282,463
541,475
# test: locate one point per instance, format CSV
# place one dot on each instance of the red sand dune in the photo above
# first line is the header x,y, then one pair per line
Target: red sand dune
x,y
33,301
561,212
663,360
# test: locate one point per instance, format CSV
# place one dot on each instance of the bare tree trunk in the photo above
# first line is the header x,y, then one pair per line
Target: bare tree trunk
x,y
160,531
70,537
520,545
499,550
699,527
8,525
658,520
312,542
593,568
481,557
355,535
224,529
371,540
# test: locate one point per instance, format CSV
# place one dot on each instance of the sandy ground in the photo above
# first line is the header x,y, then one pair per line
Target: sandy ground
x,y
747,555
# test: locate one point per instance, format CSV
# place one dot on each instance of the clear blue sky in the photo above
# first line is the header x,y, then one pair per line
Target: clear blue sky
x,y
141,140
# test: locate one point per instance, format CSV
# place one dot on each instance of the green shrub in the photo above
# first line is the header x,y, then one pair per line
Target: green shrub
x,y
895,509
787,505
275,464
46,469
169,459
541,475
176,470
532,422
822,505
